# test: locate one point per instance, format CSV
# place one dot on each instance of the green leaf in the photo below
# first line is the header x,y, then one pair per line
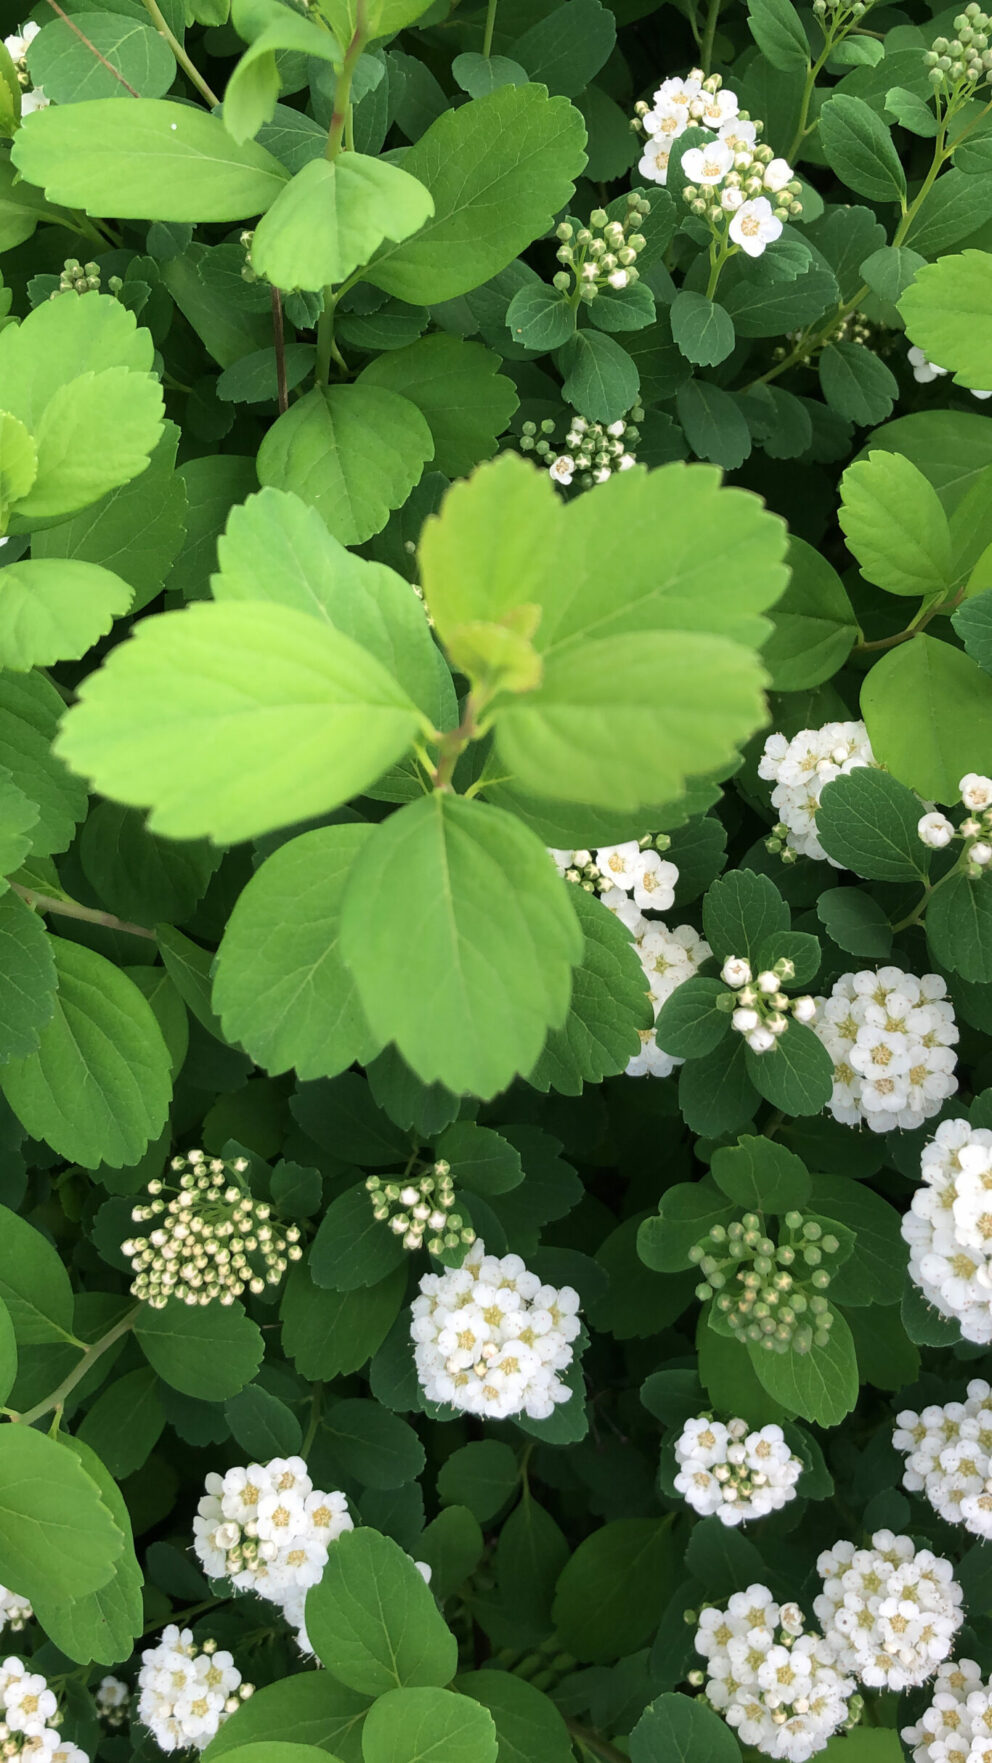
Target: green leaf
x,y
99,1626
741,911
145,159
18,463
867,820
928,711
311,1708
566,48
528,1725
959,927
859,148
703,331
895,526
27,1000
856,384
54,610
600,379
331,1334
796,1075
687,1212
760,308
352,1247
457,387
714,424
761,1175
331,218
777,29
125,1422
890,270
676,1729
263,1425
421,1725
353,452
821,1385
483,1476
247,693
875,1273
253,88
373,1621
716,1094
372,1447
34,1285
281,988
856,922
210,1352
814,624
689,1023
609,1007
117,52
142,878
540,318
483,926
478,75
947,314
952,210
480,1158
98,1086
57,1538
614,1587
498,169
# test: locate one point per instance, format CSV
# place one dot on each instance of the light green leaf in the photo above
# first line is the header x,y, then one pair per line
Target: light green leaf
x,y
102,1626
677,1729
34,1285
609,1008
859,148
98,1087
383,17
254,85
57,1538
146,159
125,408
615,1586
481,925
457,386
373,1621
928,711
281,988
332,216
868,822
821,1385
354,452
498,169
210,1352
30,708
948,314
310,1708
814,623
18,463
426,1725
54,610
895,526
280,720
65,65
489,549
27,998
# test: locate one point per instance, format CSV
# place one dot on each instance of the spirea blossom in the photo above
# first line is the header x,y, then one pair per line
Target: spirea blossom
x,y
949,1227
211,1237
112,1697
15,1611
778,1687
186,1692
490,1338
949,1457
29,1718
668,958
17,46
924,370
890,1612
799,769
890,1036
732,1472
957,1726
267,1529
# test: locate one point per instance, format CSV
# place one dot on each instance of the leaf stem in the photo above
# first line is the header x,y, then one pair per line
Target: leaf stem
x,y
73,909
316,1403
593,1742
192,73
929,889
709,32
90,1356
487,39
342,89
452,745
279,341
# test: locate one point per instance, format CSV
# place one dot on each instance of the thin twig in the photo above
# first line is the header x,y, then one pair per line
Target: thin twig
x,y
73,26
72,909
192,73
279,339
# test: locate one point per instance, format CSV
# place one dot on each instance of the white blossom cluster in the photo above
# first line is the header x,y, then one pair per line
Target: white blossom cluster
x,y
949,1457
421,1206
949,1227
799,770
29,1718
957,1726
936,831
212,1239
732,1472
595,450
17,46
776,1685
668,957
186,1692
890,1036
490,1338
924,371
762,1010
267,1529
889,1613
112,1698
15,1611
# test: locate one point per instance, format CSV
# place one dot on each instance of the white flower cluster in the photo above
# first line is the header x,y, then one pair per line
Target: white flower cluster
x,y
186,1692
267,1529
937,831
112,1698
890,1037
489,1338
668,957
213,1238
732,1472
949,1227
949,1457
957,1726
799,770
777,1686
17,46
595,450
15,1611
889,1613
29,1718
762,1011
924,371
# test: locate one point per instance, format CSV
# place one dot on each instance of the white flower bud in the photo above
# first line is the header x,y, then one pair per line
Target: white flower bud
x,y
736,971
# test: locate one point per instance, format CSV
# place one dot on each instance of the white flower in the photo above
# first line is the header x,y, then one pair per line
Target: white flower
x,y
708,165
957,1726
736,972
777,174
33,100
980,853
949,1227
804,1009
740,136
778,1687
949,1458
490,1339
923,370
185,1693
15,1611
618,864
654,882
755,225
935,830
800,768
266,1528
762,1040
889,1035
17,46
653,163
731,199
112,1698
732,1472
976,792
668,958
27,1705
890,1612
713,109
562,469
